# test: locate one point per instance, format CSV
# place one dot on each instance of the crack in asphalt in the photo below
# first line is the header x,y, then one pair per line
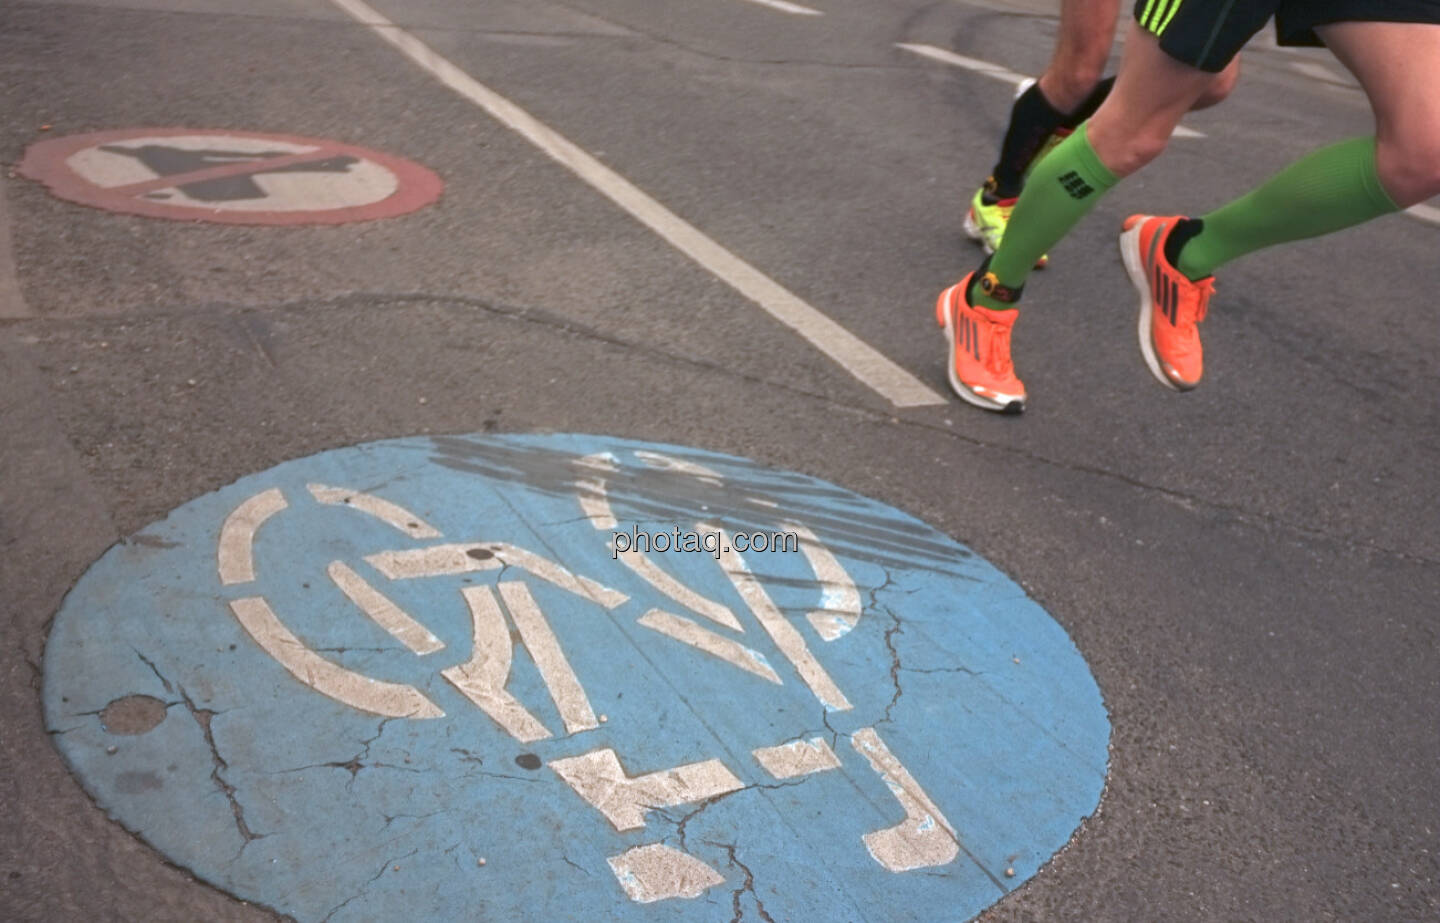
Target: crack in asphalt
x,y
890,634
156,670
748,885
385,866
202,718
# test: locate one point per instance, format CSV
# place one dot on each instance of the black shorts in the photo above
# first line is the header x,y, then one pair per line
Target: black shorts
x,y
1208,34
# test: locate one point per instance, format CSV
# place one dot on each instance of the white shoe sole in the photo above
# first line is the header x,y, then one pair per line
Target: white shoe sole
x,y
972,230
1135,266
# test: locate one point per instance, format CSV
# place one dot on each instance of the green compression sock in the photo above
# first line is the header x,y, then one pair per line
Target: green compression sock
x,y
1332,188
1063,188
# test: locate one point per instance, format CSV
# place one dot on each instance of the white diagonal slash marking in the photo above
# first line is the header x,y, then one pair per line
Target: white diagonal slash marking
x,y
858,358
565,689
996,72
791,642
383,611
703,639
839,610
482,678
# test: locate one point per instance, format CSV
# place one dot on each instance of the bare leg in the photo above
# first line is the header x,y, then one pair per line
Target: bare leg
x,y
1398,64
1152,93
1087,30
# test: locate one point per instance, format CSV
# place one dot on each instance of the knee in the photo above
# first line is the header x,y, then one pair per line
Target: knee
x,y
1126,152
1409,168
1220,87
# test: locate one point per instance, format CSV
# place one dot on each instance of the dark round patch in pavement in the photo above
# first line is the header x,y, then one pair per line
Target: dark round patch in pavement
x,y
133,714
481,554
528,761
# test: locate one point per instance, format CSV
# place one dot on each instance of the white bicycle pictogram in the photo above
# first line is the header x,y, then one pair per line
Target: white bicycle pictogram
x,y
652,871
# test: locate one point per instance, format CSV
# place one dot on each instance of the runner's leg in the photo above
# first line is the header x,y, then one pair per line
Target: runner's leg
x,y
1132,127
1087,30
1345,184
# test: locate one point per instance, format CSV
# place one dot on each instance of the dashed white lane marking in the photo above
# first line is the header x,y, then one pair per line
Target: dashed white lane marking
x,y
852,354
793,9
996,72
1427,213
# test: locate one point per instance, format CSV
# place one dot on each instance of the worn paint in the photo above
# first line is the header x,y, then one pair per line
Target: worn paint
x,y
599,744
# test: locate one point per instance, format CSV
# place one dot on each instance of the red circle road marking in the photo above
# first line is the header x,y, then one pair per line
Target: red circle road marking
x,y
47,162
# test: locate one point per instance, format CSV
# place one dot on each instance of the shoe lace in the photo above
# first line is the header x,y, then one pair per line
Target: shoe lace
x,y
997,352
1196,302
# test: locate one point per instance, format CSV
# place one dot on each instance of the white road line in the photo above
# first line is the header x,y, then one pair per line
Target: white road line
x,y
996,72
794,9
1426,213
852,354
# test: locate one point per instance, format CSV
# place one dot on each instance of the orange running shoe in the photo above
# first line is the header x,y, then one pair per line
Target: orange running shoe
x,y
1171,306
979,342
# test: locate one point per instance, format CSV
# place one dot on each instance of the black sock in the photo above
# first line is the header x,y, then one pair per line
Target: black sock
x,y
1180,235
1032,120
1091,103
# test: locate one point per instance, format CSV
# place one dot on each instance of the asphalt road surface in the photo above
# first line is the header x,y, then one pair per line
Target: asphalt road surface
x,y
1251,570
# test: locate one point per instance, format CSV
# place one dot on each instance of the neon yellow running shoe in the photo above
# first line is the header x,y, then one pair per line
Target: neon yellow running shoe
x,y
985,222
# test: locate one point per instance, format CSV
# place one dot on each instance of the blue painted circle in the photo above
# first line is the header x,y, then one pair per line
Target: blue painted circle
x,y
974,733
